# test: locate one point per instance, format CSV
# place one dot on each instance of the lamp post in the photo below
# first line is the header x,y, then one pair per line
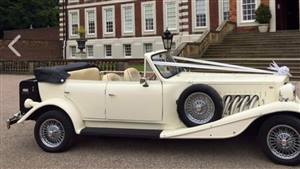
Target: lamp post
x,y
81,42
167,39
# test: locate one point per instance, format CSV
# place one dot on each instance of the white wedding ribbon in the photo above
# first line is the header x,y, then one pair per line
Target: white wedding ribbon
x,y
211,67
219,64
280,70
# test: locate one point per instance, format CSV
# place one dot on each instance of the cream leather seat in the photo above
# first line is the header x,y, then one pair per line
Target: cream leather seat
x,y
85,74
132,74
111,77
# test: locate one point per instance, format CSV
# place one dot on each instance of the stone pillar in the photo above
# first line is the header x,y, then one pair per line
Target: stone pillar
x,y
272,6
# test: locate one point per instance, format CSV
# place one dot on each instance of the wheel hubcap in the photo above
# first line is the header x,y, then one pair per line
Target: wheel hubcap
x,y
199,108
52,133
284,141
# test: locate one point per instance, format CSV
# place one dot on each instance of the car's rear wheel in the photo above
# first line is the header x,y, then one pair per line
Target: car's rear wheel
x,y
280,139
54,131
199,104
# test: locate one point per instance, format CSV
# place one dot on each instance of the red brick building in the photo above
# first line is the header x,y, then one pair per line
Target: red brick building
x,y
129,28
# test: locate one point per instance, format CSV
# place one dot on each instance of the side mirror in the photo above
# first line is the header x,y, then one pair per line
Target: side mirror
x,y
144,82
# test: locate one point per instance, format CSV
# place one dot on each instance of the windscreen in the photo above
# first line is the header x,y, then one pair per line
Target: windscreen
x,y
164,70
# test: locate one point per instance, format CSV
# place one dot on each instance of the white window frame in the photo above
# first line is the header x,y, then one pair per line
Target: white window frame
x,y
70,51
240,21
73,1
221,11
124,32
144,31
241,12
105,54
87,52
105,33
166,2
89,35
71,35
144,46
124,50
200,28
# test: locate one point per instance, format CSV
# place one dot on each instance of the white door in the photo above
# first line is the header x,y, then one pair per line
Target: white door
x,y
131,101
88,96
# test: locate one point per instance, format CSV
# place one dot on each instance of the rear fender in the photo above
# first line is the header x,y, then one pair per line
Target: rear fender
x,y
65,105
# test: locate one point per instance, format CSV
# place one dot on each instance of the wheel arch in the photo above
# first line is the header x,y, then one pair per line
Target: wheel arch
x,y
56,104
254,127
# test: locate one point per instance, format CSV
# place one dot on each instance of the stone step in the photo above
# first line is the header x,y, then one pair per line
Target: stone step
x,y
258,42
263,36
268,34
258,50
238,38
252,47
254,51
255,45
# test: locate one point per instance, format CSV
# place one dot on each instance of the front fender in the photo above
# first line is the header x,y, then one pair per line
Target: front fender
x,y
65,105
232,125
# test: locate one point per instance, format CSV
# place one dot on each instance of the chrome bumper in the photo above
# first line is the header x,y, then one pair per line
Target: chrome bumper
x,y
13,120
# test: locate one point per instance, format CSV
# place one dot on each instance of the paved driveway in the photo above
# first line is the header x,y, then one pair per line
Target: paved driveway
x,y
19,150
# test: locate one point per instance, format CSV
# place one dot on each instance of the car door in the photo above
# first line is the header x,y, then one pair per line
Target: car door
x,y
88,96
132,101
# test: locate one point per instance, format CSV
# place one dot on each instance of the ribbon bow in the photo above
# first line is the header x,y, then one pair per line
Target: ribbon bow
x,y
280,70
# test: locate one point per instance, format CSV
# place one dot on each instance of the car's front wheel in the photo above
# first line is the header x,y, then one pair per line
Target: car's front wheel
x,y
54,131
280,139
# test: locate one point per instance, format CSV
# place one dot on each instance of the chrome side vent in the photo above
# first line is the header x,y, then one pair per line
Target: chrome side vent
x,y
238,103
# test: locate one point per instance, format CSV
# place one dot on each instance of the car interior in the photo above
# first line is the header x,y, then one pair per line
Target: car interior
x,y
130,74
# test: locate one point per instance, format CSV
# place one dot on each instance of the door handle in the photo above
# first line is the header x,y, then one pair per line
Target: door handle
x,y
111,94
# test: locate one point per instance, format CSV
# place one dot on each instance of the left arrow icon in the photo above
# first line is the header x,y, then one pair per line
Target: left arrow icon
x,y
10,46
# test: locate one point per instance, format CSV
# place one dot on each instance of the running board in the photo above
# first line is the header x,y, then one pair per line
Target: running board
x,y
113,132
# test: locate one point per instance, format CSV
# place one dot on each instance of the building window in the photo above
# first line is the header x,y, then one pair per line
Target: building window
x,y
248,10
74,23
149,17
128,18
109,16
127,50
73,1
200,13
171,15
107,51
90,51
225,10
90,24
148,47
73,51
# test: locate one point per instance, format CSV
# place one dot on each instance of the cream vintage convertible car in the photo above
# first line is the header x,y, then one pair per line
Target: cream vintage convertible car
x,y
173,98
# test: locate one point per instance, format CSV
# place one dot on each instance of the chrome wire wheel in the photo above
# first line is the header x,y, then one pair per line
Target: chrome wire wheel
x,y
199,108
52,133
284,142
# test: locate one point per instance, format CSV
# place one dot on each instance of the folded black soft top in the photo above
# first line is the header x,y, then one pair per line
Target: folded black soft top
x,y
58,74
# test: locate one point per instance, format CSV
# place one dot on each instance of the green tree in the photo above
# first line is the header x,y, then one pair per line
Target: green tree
x,y
20,14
